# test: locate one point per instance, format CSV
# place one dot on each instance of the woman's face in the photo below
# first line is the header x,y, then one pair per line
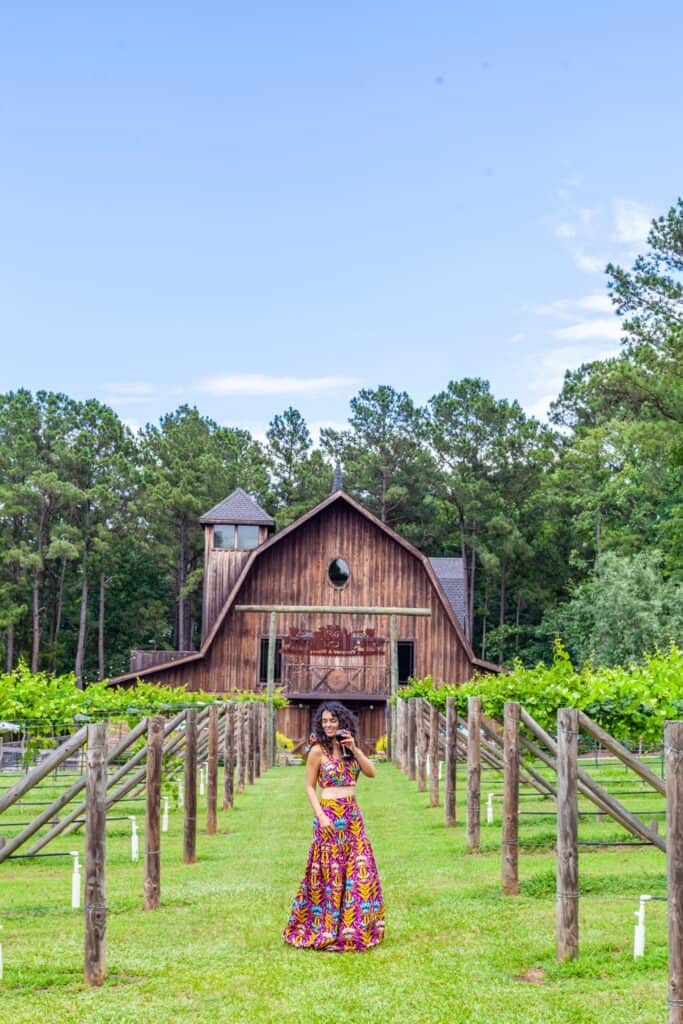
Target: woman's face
x,y
330,723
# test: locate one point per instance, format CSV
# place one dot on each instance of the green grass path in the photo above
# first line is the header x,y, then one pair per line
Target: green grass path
x,y
455,949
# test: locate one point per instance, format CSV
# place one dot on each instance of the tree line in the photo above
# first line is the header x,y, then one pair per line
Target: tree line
x,y
572,527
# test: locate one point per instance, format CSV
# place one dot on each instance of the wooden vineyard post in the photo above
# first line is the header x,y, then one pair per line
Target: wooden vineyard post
x,y
155,742
673,747
399,733
433,756
95,960
421,748
190,818
265,715
393,633
412,736
450,762
212,773
511,799
473,773
256,737
567,935
248,736
239,745
229,758
404,737
387,729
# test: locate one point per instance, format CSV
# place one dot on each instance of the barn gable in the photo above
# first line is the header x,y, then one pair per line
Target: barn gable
x,y
336,653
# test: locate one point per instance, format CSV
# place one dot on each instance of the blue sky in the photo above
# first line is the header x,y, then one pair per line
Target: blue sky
x,y
247,206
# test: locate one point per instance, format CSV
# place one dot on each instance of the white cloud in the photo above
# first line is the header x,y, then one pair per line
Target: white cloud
x,y
632,222
589,264
597,303
260,384
516,338
565,231
549,367
598,327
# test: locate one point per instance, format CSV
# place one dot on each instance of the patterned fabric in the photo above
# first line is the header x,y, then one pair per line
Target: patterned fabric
x,y
338,771
339,905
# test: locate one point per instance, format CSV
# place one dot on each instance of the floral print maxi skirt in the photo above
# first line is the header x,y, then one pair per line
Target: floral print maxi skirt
x,y
339,905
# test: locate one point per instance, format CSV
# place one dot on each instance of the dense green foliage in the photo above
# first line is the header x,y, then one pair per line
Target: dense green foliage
x,y
101,550
630,703
47,705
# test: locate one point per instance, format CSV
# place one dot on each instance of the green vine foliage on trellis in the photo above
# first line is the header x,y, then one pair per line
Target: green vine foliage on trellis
x,y
632,703
49,706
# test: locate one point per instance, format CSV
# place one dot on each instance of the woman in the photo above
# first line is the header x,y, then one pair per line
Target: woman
x,y
339,905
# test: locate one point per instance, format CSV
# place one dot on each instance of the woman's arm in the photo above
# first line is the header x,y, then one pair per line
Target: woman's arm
x,y
315,756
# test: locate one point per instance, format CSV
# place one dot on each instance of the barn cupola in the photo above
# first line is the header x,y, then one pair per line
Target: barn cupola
x,y
232,529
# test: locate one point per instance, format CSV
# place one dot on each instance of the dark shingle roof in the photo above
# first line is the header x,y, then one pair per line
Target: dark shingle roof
x,y
451,577
237,508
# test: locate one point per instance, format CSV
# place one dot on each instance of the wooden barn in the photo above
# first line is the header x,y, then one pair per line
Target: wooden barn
x,y
338,556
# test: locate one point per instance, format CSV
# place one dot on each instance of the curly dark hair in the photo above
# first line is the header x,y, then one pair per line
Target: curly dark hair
x,y
347,720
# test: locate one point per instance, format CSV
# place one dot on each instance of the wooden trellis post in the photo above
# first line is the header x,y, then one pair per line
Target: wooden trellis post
x,y
229,757
256,737
152,885
473,773
412,737
511,799
567,944
239,745
451,762
212,773
673,747
421,748
248,737
190,808
95,961
264,715
433,756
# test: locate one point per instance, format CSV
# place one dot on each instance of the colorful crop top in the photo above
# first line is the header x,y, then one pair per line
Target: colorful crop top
x,y
338,771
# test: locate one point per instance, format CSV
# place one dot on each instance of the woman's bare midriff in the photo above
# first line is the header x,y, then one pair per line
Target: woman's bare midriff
x,y
336,792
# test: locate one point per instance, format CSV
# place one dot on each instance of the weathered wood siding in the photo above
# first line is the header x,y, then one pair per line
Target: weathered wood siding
x,y
294,571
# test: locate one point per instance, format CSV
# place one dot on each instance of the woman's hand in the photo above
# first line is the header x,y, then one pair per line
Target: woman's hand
x,y
326,826
347,742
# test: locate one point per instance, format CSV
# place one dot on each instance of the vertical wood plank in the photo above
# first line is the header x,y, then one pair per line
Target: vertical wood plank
x,y
412,737
433,756
673,747
212,772
567,931
393,632
270,686
229,758
190,808
155,743
451,762
473,773
95,959
511,799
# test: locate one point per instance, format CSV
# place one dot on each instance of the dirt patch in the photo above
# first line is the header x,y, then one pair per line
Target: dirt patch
x,y
534,976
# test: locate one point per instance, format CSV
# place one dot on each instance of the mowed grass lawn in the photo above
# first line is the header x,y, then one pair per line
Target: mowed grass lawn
x,y
456,950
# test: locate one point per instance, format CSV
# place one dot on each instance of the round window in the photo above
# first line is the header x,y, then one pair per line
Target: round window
x,y
338,572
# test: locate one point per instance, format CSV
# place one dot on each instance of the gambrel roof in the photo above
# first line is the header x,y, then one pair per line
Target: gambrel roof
x,y
254,555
